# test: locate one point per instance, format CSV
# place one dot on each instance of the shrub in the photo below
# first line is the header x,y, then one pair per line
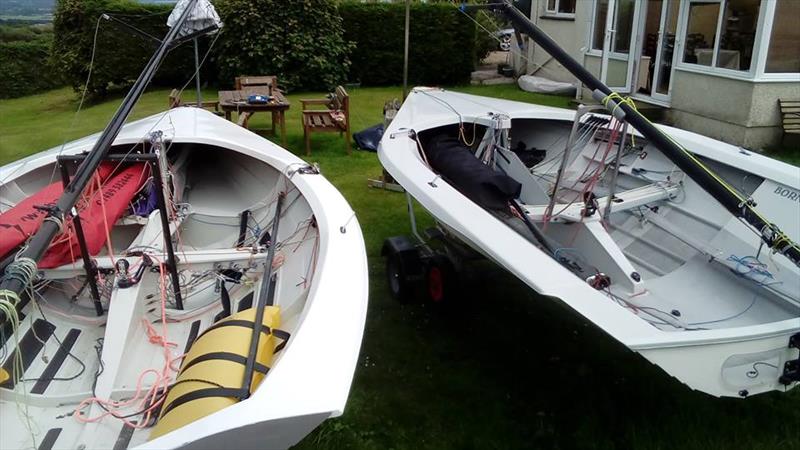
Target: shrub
x,y
25,68
442,43
300,41
120,55
12,33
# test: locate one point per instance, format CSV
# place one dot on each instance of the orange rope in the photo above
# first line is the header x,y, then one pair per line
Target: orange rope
x,y
161,382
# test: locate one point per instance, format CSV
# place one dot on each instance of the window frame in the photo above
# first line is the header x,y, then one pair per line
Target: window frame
x,y
766,12
591,51
770,7
555,14
758,63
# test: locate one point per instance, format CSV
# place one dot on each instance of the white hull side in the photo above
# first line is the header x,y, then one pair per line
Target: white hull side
x,y
721,350
312,380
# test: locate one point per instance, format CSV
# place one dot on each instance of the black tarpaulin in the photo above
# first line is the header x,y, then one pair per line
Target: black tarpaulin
x,y
456,163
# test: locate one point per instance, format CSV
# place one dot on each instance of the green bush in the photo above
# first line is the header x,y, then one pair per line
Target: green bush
x,y
299,41
120,55
24,57
13,33
442,43
26,68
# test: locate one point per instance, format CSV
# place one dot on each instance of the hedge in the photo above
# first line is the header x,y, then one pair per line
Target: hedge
x,y
300,41
120,55
26,68
442,43
308,44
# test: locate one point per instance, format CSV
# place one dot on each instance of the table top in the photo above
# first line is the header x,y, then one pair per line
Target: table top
x,y
237,100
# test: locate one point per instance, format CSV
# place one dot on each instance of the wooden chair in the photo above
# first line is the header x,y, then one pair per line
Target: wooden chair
x,y
335,118
271,81
790,117
175,101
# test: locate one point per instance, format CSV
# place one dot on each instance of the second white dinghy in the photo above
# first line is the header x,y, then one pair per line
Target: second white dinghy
x,y
682,248
608,225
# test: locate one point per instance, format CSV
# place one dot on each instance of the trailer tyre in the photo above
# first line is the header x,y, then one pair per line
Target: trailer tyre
x,y
400,286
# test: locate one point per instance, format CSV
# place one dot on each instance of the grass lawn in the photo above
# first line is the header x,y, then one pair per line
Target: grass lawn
x,y
502,368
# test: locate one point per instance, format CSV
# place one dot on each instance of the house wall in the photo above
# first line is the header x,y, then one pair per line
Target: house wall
x,y
567,33
739,112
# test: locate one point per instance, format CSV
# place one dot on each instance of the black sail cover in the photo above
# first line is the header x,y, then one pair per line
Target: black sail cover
x,y
456,163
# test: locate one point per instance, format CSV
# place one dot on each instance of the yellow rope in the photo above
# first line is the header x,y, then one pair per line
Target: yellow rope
x,y
620,100
26,268
8,306
464,137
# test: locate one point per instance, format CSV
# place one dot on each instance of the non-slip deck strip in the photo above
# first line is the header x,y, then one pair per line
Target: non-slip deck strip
x,y
124,438
55,364
5,329
29,348
192,335
49,439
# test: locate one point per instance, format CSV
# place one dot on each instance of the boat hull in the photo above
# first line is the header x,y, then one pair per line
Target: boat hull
x,y
321,288
715,359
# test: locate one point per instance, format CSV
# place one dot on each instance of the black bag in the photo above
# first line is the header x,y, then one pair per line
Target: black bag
x,y
456,163
369,138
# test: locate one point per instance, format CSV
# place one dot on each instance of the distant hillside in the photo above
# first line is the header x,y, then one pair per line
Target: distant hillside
x,y
22,9
38,10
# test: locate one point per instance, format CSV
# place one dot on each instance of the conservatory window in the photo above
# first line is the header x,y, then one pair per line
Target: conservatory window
x,y
721,33
560,8
599,26
783,55
622,25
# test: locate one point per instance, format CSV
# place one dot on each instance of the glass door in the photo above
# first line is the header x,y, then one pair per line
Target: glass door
x,y
616,68
659,21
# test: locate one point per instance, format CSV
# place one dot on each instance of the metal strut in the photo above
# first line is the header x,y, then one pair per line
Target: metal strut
x,y
152,160
88,265
172,263
261,302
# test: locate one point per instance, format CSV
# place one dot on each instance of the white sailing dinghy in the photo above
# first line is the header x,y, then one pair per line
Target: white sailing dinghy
x,y
205,288
601,218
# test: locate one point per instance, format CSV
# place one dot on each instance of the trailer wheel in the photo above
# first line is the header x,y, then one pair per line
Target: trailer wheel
x,y
440,280
400,286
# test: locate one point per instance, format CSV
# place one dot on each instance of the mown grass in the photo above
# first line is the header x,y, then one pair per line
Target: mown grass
x,y
500,368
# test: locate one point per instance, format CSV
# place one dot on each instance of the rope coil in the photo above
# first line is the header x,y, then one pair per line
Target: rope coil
x,y
58,221
23,269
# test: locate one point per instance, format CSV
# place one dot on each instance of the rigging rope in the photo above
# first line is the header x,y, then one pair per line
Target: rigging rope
x,y
24,270
777,239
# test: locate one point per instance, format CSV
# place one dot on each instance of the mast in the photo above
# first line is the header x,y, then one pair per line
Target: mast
x,y
727,196
56,216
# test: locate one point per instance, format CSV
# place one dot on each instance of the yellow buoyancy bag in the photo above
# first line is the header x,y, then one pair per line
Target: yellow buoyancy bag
x,y
212,373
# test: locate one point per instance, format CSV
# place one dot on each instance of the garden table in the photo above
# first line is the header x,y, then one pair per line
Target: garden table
x,y
236,101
